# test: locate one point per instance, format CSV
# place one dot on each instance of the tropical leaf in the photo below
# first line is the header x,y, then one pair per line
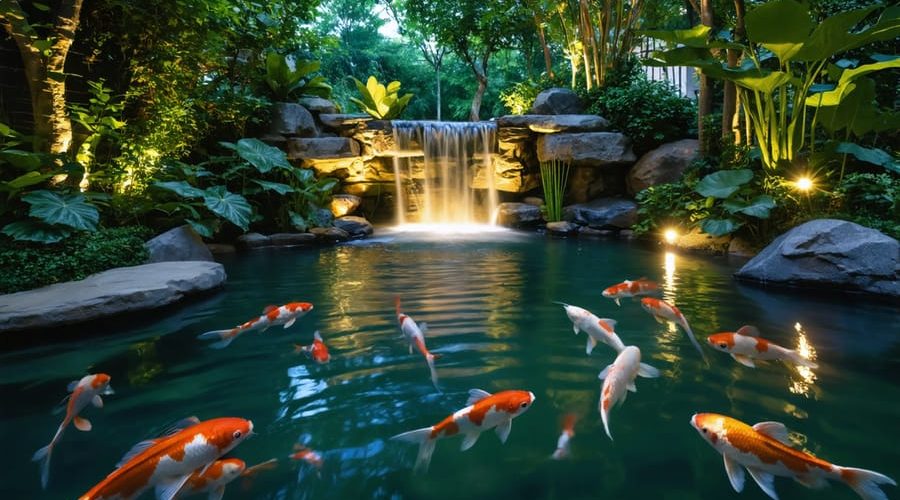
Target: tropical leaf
x,y
297,221
870,155
181,188
305,175
697,36
36,231
70,210
278,187
24,160
232,207
261,155
781,26
719,227
379,101
723,183
203,228
832,35
24,180
758,207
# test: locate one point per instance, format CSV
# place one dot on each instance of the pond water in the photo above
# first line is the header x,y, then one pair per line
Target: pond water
x,y
490,313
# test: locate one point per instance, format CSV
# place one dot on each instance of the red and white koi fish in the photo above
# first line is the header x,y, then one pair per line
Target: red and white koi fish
x,y
563,447
618,379
597,329
167,462
318,351
83,392
415,335
484,412
745,345
662,312
250,472
310,456
631,288
272,316
214,479
764,451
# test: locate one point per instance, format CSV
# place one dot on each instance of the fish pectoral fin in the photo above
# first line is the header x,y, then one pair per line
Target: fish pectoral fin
x,y
744,360
168,487
735,473
775,430
289,323
423,327
660,319
811,481
476,395
765,480
604,373
631,387
617,302
82,424
97,401
503,429
217,493
72,385
647,371
410,348
591,344
469,440
575,329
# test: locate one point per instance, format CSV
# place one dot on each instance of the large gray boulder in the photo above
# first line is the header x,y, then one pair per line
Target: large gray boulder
x,y
557,101
518,215
322,147
551,124
662,165
589,149
318,105
344,204
290,119
829,253
356,227
603,212
180,243
120,290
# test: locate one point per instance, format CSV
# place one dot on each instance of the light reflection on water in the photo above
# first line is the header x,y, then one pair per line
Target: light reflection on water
x,y
489,308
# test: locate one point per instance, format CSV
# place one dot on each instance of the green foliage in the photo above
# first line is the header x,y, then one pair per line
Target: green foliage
x,y
872,200
651,113
554,175
101,122
383,103
285,80
24,266
519,98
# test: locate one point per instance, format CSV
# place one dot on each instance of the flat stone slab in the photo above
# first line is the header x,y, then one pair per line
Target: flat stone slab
x,y
586,149
322,147
341,120
120,290
549,124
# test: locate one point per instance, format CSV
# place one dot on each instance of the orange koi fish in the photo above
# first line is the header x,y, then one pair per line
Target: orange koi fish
x,y
484,412
166,463
662,312
597,329
83,392
415,335
272,316
745,345
618,379
764,451
250,472
563,447
629,288
318,351
310,456
214,479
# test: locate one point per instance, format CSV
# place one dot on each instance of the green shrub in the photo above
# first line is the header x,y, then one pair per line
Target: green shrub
x,y
649,112
24,266
872,200
519,98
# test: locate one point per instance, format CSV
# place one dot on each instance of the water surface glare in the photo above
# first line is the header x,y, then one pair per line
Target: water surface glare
x,y
489,308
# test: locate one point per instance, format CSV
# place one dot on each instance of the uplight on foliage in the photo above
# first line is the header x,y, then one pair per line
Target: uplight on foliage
x,y
297,81
383,103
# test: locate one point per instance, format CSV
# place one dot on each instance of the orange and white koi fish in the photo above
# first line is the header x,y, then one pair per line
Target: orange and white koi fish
x,y
631,288
745,345
597,329
415,335
484,412
764,451
166,463
310,456
318,351
662,312
83,392
250,472
563,446
214,479
618,379
272,316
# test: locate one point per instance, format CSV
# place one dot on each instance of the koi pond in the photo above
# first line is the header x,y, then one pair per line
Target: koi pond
x,y
489,306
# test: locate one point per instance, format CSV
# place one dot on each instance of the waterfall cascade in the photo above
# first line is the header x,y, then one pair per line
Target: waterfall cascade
x,y
437,166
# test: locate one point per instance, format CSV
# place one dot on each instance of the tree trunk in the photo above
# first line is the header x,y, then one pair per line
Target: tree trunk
x,y
731,127
437,80
46,80
704,104
539,22
475,110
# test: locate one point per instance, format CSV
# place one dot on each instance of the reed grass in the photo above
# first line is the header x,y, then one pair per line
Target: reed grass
x,y
554,175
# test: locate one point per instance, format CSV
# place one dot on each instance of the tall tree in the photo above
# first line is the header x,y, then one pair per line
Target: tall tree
x,y
705,99
44,48
730,124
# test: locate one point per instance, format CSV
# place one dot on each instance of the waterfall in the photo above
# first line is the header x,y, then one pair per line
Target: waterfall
x,y
444,171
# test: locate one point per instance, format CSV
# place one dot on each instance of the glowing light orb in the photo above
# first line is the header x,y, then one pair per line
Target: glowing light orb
x,y
670,236
804,183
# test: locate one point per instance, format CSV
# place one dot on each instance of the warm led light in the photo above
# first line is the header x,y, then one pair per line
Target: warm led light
x,y
804,183
670,235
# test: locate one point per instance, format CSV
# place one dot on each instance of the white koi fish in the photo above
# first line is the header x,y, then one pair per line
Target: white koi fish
x,y
415,335
745,345
272,316
484,412
563,444
618,379
597,329
214,479
83,392
764,451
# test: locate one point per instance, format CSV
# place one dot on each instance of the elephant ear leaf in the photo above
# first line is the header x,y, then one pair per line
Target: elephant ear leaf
x,y
723,183
36,231
70,210
232,207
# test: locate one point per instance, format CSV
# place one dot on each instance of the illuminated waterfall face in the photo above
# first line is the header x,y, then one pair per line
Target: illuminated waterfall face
x,y
437,166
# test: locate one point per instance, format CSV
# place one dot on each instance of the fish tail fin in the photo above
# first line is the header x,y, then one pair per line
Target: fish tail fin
x,y
43,456
693,339
561,303
604,415
224,338
301,349
865,482
397,304
429,359
426,446
798,359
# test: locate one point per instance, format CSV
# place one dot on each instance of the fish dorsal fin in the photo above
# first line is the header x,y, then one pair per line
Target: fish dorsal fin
x,y
268,308
135,451
168,487
476,395
775,430
179,425
72,385
318,336
611,322
748,330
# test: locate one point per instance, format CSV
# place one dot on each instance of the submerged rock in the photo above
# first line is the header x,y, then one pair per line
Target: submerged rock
x,y
180,243
120,290
562,228
330,234
829,254
291,239
356,227
518,215
603,212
